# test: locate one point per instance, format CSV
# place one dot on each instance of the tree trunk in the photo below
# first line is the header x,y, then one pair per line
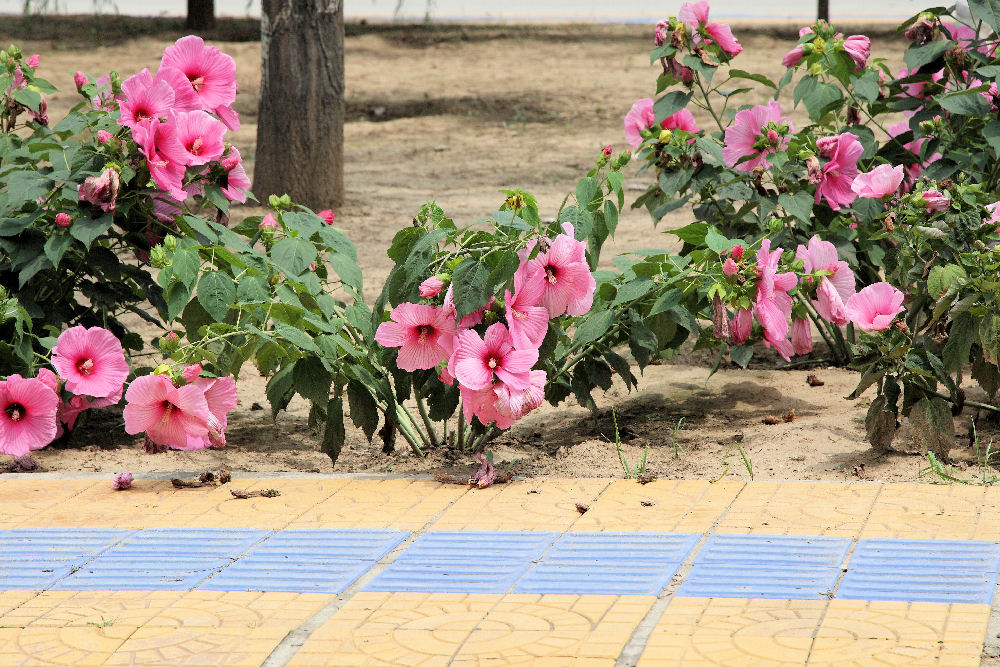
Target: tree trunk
x,y
300,125
201,15
823,10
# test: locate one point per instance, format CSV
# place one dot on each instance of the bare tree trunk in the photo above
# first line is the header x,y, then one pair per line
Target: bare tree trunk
x,y
823,10
300,126
200,15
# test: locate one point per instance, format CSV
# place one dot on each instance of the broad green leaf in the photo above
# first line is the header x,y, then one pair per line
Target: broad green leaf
x,y
989,337
964,103
470,282
942,277
716,242
594,326
880,425
991,133
85,229
799,204
185,265
293,255
216,293
693,233
312,380
933,429
918,56
988,11
586,190
670,104
960,339
56,246
759,78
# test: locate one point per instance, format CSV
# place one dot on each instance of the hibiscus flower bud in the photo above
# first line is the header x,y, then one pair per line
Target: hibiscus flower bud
x,y
736,252
104,136
327,215
607,150
80,79
665,136
431,287
158,257
33,60
729,267
63,219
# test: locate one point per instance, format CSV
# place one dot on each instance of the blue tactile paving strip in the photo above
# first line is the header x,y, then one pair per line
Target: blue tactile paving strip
x,y
922,571
766,566
176,559
609,563
36,559
307,561
463,562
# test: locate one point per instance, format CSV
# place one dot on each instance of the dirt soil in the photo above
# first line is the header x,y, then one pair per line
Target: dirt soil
x,y
454,115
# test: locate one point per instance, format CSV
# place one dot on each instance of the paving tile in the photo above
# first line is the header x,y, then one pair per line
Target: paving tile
x,y
11,600
25,498
686,506
800,508
463,562
697,631
758,566
856,632
74,646
534,504
922,570
608,563
307,561
396,629
57,609
403,504
926,511
163,559
38,558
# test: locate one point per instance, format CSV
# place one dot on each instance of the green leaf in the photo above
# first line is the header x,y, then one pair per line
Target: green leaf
x,y
987,375
312,380
759,78
670,104
991,133
633,290
470,286
941,278
643,344
988,11
56,246
866,85
334,434
28,98
694,233
298,338
594,326
741,354
918,56
216,293
716,242
610,217
348,270
666,301
177,296
989,337
964,103
880,425
364,411
586,190
799,204
185,265
293,255
85,229
960,339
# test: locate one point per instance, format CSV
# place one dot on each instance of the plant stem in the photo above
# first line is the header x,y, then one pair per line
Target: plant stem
x,y
427,420
971,404
708,104
407,422
460,436
487,435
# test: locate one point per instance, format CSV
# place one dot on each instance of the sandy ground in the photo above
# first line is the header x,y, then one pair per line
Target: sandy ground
x,y
455,120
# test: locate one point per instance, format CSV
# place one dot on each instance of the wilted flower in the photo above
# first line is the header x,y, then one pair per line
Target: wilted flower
x,y
122,481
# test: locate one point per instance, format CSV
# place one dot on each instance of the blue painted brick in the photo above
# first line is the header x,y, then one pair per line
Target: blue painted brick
x,y
35,559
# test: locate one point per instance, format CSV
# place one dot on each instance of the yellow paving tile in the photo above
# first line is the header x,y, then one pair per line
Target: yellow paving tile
x,y
10,600
900,633
733,631
77,646
800,508
56,609
396,629
678,506
404,504
526,629
218,507
218,628
925,511
24,498
534,504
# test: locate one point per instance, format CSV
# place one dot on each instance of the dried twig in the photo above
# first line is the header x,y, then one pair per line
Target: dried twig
x,y
257,493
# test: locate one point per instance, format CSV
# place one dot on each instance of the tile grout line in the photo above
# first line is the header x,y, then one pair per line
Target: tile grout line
x,y
636,644
510,590
289,646
843,572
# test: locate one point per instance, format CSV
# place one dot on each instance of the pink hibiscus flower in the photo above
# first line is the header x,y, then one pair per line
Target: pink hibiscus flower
x,y
200,135
858,47
913,170
220,395
875,307
802,341
515,403
144,98
936,201
844,150
164,155
229,116
431,287
27,415
568,283
210,73
236,183
881,181
994,212
528,321
695,15
425,335
477,361
481,404
742,325
641,116
91,361
756,133
168,414
834,289
772,305
101,191
794,57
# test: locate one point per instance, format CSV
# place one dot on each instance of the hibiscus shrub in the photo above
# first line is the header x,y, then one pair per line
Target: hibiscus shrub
x,y
885,196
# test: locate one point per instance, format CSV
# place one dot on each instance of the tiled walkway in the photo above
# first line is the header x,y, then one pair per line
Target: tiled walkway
x,y
376,571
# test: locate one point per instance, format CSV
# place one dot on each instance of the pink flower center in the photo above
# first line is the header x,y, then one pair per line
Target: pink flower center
x,y
16,412
423,331
518,315
142,114
492,362
197,82
85,367
194,148
550,274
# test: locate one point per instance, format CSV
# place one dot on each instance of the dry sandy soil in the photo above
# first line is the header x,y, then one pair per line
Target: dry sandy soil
x,y
455,117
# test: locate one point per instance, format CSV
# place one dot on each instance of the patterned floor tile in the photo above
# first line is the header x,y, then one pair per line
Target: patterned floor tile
x,y
402,504
25,499
800,508
542,504
73,646
925,511
56,609
687,506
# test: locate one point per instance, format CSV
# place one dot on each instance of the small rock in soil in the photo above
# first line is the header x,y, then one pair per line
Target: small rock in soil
x,y
771,420
814,381
24,464
646,503
646,478
256,406
789,416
